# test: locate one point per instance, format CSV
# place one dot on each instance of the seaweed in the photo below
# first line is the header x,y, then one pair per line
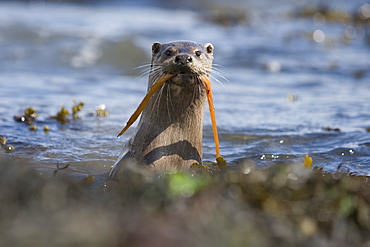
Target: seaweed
x,y
9,148
307,163
76,108
63,115
284,205
28,117
56,171
330,129
323,13
33,127
3,140
101,111
46,129
227,17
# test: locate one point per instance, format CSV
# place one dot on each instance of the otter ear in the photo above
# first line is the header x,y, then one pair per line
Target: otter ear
x,y
156,47
209,48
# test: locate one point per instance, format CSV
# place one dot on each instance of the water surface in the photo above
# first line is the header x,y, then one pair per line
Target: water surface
x,y
295,85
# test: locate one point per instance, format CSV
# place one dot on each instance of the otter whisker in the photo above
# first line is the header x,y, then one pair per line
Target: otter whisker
x,y
213,77
142,74
197,89
156,104
219,73
156,74
142,66
169,102
149,71
145,70
218,65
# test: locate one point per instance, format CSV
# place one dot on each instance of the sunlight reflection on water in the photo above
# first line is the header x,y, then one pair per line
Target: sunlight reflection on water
x,y
47,61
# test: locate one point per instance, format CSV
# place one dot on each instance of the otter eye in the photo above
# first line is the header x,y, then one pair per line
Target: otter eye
x,y
168,52
198,53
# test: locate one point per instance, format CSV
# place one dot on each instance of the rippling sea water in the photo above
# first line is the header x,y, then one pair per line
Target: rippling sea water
x,y
295,85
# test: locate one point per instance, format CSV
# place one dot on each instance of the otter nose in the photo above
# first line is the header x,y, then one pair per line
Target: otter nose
x,y
183,59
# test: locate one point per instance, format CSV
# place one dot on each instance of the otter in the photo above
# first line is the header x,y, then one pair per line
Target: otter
x,y
169,134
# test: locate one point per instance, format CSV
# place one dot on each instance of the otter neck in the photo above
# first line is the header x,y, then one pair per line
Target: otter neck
x,y
173,122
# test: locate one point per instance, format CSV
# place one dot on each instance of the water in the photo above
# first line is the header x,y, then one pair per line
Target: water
x,y
288,91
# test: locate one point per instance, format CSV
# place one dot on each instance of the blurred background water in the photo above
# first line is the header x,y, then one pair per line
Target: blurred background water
x,y
298,78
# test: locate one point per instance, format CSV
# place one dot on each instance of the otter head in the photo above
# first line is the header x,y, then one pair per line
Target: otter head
x,y
185,60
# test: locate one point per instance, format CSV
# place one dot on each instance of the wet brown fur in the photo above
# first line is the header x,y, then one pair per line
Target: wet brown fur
x,y
169,134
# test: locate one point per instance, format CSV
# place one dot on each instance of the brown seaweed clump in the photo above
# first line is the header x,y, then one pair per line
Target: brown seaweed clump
x,y
7,148
285,205
101,111
76,108
323,13
63,115
28,117
227,17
